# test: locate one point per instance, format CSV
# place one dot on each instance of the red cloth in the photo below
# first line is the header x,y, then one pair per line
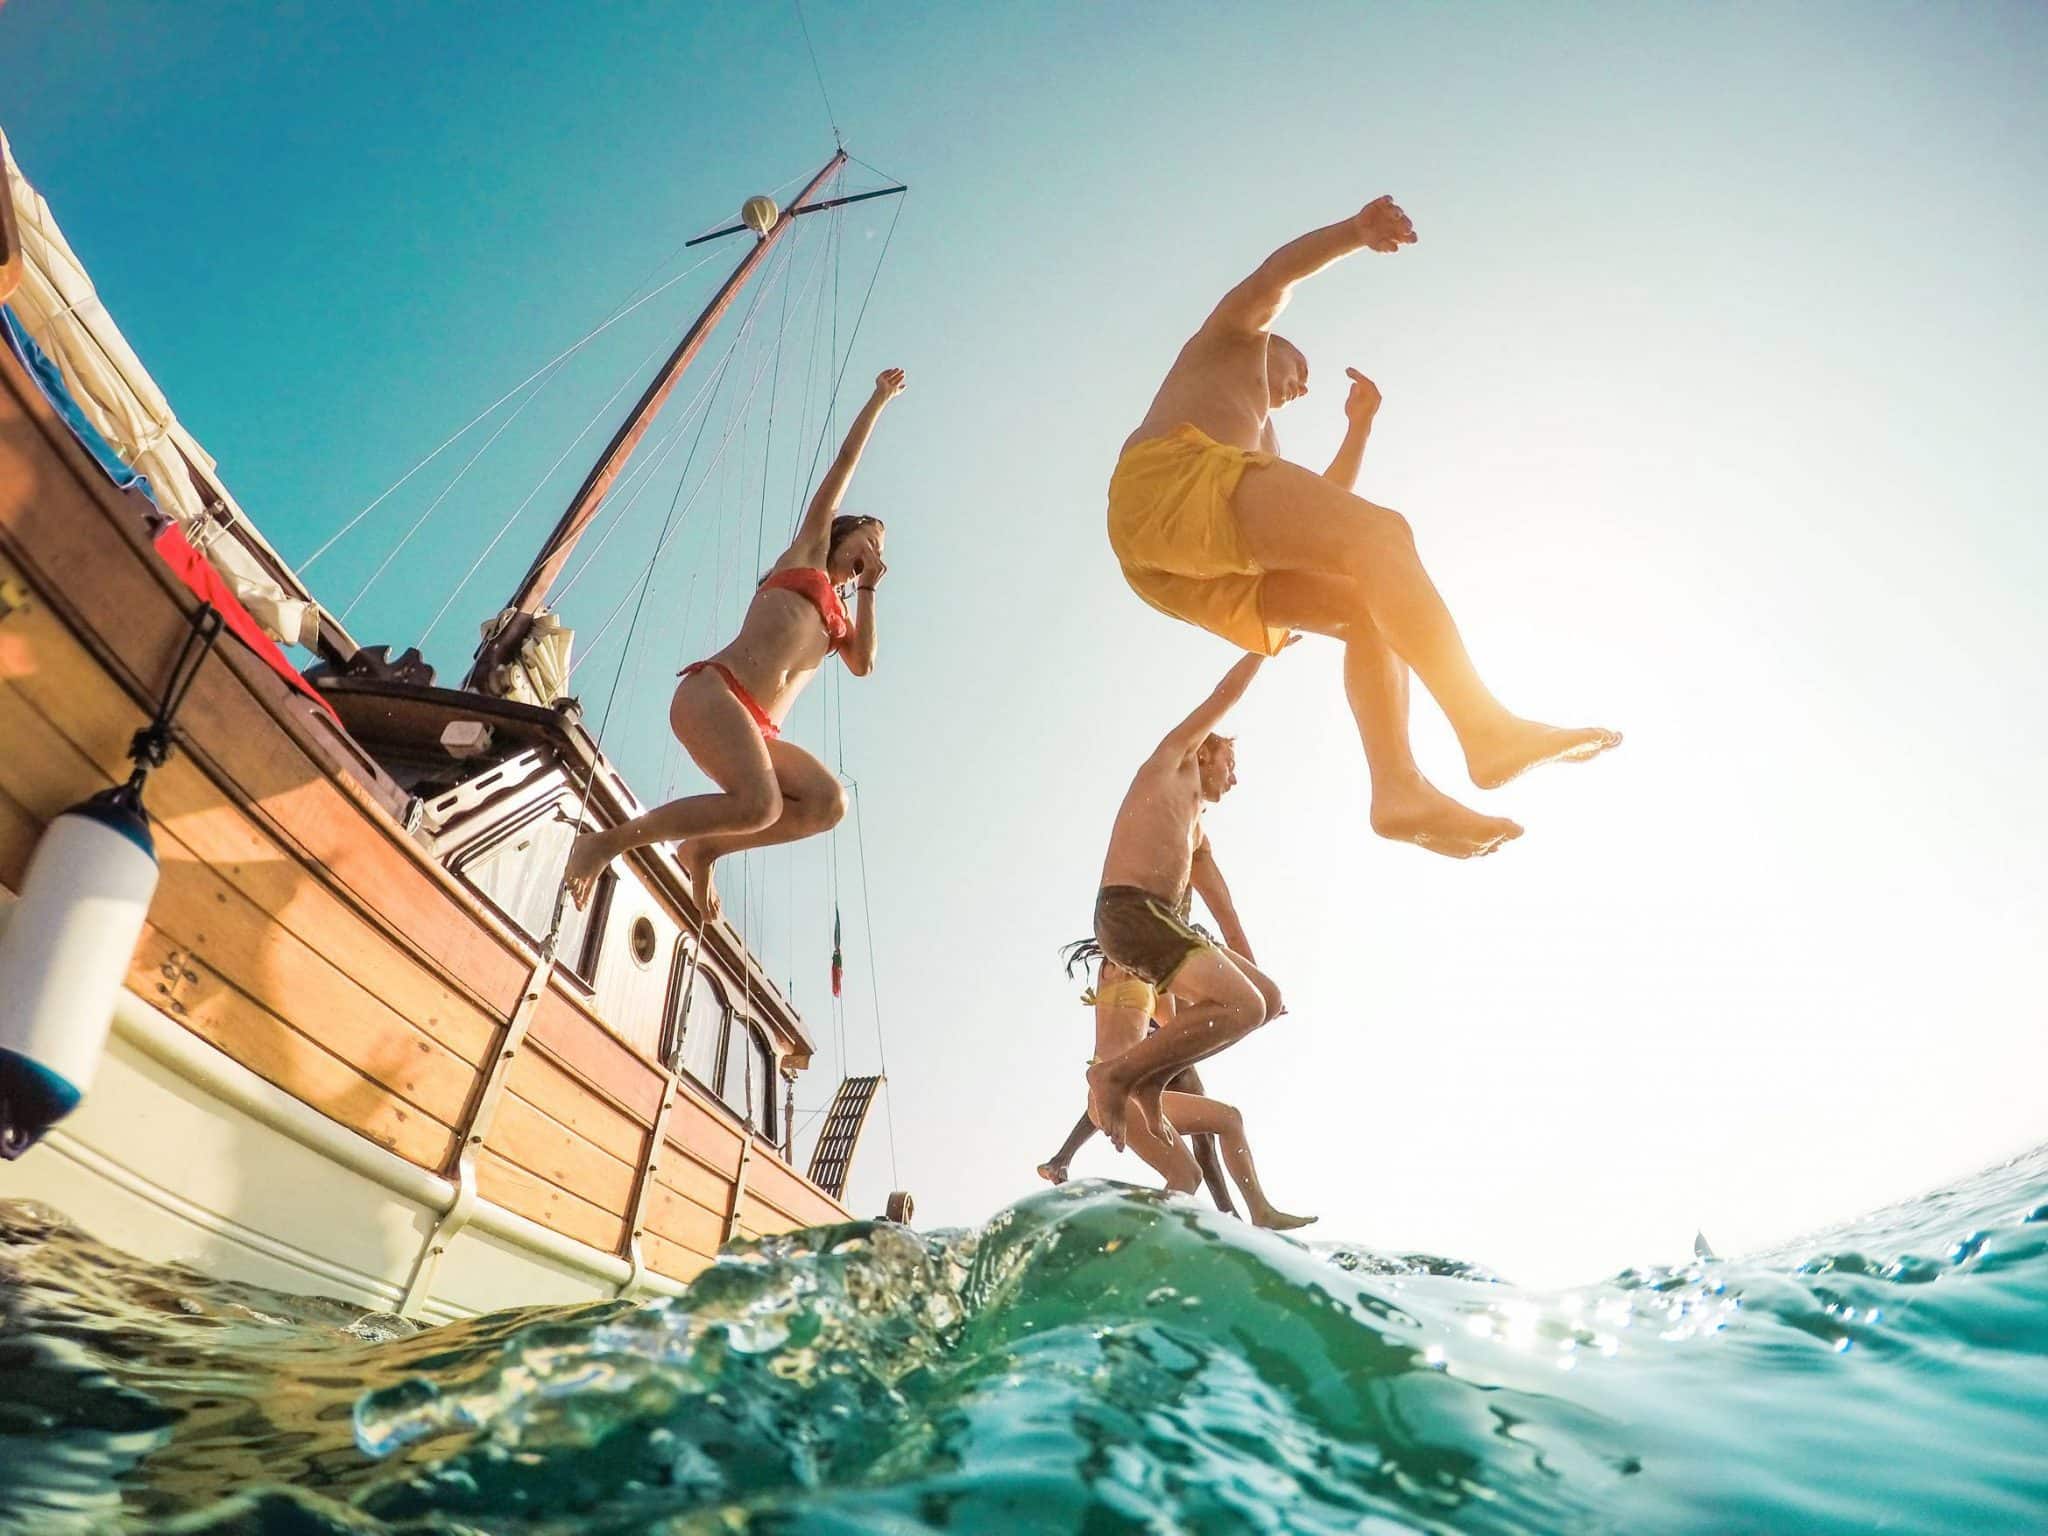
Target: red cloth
x,y
810,582
196,572
768,727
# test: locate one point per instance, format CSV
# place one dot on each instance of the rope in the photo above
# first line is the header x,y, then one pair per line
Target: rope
x,y
463,431
874,980
421,521
546,474
855,336
829,117
667,527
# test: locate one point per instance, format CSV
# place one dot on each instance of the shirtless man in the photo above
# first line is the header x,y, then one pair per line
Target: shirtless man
x,y
1212,527
1155,848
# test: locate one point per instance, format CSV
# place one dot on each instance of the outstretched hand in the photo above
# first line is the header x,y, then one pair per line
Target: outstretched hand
x,y
889,383
1363,403
1382,226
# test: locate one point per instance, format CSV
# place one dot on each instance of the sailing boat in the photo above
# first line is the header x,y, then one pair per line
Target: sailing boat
x,y
363,1047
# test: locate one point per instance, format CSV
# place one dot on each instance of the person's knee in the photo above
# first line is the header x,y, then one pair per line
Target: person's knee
x,y
1229,1122
1380,531
832,805
757,805
1269,994
1184,1181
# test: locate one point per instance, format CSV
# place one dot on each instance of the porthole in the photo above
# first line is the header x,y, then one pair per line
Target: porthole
x,y
643,942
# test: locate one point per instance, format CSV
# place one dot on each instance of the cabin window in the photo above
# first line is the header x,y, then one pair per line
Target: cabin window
x,y
747,1081
643,942
582,933
520,870
704,1014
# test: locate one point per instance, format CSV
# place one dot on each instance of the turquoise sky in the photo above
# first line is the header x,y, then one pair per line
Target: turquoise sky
x,y
1714,389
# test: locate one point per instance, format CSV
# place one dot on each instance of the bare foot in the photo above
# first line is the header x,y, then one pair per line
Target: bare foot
x,y
1424,815
587,860
1280,1221
1108,1098
1519,745
1053,1173
697,865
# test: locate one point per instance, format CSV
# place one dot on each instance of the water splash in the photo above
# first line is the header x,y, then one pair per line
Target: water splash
x,y
1094,1358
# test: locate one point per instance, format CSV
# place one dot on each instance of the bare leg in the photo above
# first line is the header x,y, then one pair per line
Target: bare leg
x,y
812,802
1054,1169
722,738
1197,1115
1166,1154
1216,1003
1293,520
1206,1159
1406,807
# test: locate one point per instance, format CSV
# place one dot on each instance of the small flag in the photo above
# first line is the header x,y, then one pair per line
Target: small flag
x,y
838,955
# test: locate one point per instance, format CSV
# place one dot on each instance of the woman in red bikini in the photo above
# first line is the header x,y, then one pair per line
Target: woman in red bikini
x,y
728,708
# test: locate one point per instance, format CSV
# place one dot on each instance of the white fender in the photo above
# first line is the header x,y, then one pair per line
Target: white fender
x,y
64,952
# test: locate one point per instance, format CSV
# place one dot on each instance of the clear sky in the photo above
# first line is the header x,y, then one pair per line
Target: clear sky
x,y
1714,389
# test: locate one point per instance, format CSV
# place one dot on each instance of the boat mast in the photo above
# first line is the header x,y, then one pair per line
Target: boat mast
x,y
561,543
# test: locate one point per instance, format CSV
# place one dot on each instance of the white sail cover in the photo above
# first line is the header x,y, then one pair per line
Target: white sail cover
x,y
57,305
539,673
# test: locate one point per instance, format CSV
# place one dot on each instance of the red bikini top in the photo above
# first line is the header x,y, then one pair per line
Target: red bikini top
x,y
808,581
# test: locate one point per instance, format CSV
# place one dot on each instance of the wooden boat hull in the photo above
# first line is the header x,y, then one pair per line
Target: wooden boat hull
x,y
312,1016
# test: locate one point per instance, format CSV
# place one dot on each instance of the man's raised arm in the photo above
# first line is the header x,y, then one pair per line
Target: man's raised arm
x,y
1191,732
1360,406
1255,303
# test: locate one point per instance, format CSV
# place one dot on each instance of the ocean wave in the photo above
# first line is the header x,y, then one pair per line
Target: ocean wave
x,y
1094,1358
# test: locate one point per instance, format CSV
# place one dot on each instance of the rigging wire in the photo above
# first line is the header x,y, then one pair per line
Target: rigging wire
x,y
672,521
432,506
463,431
615,520
830,117
858,318
788,262
505,526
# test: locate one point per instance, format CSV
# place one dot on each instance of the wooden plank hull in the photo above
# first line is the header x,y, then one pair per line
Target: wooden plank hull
x,y
311,1015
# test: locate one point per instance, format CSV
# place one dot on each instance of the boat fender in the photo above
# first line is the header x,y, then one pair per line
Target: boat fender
x,y
64,952
900,1207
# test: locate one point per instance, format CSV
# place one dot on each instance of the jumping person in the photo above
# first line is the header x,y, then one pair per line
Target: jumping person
x,y
1126,1007
1212,527
1156,845
727,710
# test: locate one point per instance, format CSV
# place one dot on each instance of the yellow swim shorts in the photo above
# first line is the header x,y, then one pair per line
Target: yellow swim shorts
x,y
1174,533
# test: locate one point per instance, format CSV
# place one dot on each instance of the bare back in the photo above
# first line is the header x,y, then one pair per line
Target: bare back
x,y
1152,845
1217,383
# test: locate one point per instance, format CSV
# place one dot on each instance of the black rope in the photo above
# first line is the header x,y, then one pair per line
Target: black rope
x,y
150,747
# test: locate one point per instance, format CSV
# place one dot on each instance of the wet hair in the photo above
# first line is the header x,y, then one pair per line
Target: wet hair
x,y
1080,952
1212,741
844,526
1273,336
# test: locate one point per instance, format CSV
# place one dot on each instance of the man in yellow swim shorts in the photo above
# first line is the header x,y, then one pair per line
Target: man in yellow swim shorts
x,y
1213,527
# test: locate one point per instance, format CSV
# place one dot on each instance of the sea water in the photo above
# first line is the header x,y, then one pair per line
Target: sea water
x,y
1095,1359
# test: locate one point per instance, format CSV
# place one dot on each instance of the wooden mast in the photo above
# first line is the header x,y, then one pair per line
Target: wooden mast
x,y
561,543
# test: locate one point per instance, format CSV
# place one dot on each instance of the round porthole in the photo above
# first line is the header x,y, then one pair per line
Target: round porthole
x,y
643,942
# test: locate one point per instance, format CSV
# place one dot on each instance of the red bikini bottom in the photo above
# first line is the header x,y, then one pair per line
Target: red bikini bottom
x,y
768,727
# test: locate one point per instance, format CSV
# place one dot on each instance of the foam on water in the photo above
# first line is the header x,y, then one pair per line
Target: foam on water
x,y
1093,1359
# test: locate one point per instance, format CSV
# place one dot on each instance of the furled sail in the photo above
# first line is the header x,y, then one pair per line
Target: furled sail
x,y
57,304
